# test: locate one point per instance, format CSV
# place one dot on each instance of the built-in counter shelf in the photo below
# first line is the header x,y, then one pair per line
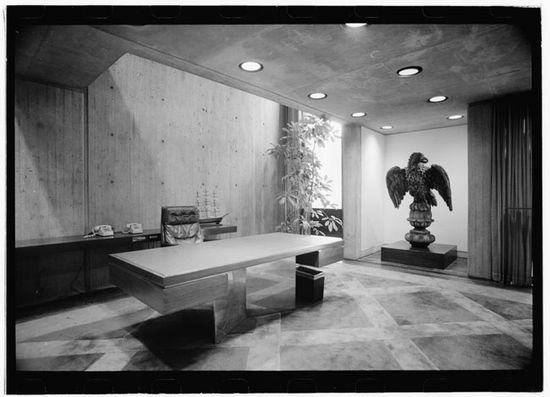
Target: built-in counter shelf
x,y
52,268
72,243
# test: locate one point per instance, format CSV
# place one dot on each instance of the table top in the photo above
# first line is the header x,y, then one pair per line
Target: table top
x,y
170,266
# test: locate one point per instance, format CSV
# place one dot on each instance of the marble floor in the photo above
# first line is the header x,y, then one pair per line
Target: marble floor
x,y
371,318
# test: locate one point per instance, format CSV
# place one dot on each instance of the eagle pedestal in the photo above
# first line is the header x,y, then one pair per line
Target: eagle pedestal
x,y
420,237
436,256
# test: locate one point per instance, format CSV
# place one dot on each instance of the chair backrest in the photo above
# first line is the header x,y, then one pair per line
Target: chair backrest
x,y
180,224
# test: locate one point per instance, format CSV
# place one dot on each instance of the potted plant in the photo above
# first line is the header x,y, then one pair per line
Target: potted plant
x,y
303,181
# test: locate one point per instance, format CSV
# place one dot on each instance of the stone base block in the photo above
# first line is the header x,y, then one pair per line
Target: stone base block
x,y
437,256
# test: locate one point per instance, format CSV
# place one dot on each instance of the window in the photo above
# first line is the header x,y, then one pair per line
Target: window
x,y
331,165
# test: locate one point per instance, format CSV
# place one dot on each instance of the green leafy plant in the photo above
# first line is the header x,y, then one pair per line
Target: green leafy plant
x,y
303,182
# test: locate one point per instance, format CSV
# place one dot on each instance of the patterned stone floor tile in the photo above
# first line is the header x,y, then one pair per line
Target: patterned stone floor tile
x,y
265,333
257,324
215,359
373,281
446,329
475,352
526,324
145,361
350,335
108,308
440,281
371,318
508,309
339,356
111,361
423,307
337,311
263,351
372,309
67,306
337,335
77,362
224,359
108,328
504,326
408,355
74,347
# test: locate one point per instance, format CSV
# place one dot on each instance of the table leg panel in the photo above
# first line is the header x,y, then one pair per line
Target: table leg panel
x,y
230,310
271,287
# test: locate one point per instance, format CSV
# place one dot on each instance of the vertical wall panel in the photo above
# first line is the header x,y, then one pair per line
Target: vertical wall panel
x,y
352,182
158,135
479,190
374,194
49,161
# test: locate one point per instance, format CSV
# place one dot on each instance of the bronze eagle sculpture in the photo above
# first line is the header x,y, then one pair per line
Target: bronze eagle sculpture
x,y
418,179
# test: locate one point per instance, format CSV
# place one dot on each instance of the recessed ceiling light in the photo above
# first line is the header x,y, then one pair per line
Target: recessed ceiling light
x,y
358,114
455,117
251,66
387,127
409,71
437,99
317,95
355,25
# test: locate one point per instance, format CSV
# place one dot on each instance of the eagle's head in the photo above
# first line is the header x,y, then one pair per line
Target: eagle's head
x,y
415,159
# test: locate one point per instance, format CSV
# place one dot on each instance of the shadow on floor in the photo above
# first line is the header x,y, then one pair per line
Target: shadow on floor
x,y
185,341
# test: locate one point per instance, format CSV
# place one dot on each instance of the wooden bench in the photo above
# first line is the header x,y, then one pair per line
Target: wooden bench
x,y
215,275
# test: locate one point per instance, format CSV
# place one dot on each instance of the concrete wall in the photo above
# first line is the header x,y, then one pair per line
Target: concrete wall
x,y
158,135
49,161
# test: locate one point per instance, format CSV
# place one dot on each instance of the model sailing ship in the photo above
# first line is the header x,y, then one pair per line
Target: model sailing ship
x,y
207,203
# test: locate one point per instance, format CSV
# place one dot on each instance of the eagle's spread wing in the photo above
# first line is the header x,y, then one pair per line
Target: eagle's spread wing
x,y
437,178
396,182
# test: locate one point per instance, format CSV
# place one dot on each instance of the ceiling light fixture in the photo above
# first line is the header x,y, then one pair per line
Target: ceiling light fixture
x,y
409,71
358,114
387,127
251,66
355,25
437,99
317,95
455,117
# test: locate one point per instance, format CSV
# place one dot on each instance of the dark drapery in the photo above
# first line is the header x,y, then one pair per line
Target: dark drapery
x,y
511,190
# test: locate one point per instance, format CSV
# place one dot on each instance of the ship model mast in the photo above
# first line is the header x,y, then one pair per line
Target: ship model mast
x,y
214,203
207,203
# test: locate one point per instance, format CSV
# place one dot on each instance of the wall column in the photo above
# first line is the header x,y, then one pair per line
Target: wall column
x,y
479,190
351,190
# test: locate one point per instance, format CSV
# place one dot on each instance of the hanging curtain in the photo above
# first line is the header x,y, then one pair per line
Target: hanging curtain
x,y
511,191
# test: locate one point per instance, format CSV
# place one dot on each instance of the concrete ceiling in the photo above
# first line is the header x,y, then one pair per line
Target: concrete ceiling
x,y
356,67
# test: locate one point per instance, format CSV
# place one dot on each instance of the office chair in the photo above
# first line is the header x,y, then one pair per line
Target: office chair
x,y
180,224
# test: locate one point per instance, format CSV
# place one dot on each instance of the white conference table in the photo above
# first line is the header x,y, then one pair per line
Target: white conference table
x,y
213,275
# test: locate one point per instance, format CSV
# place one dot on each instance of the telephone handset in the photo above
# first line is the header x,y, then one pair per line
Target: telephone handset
x,y
133,228
102,230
